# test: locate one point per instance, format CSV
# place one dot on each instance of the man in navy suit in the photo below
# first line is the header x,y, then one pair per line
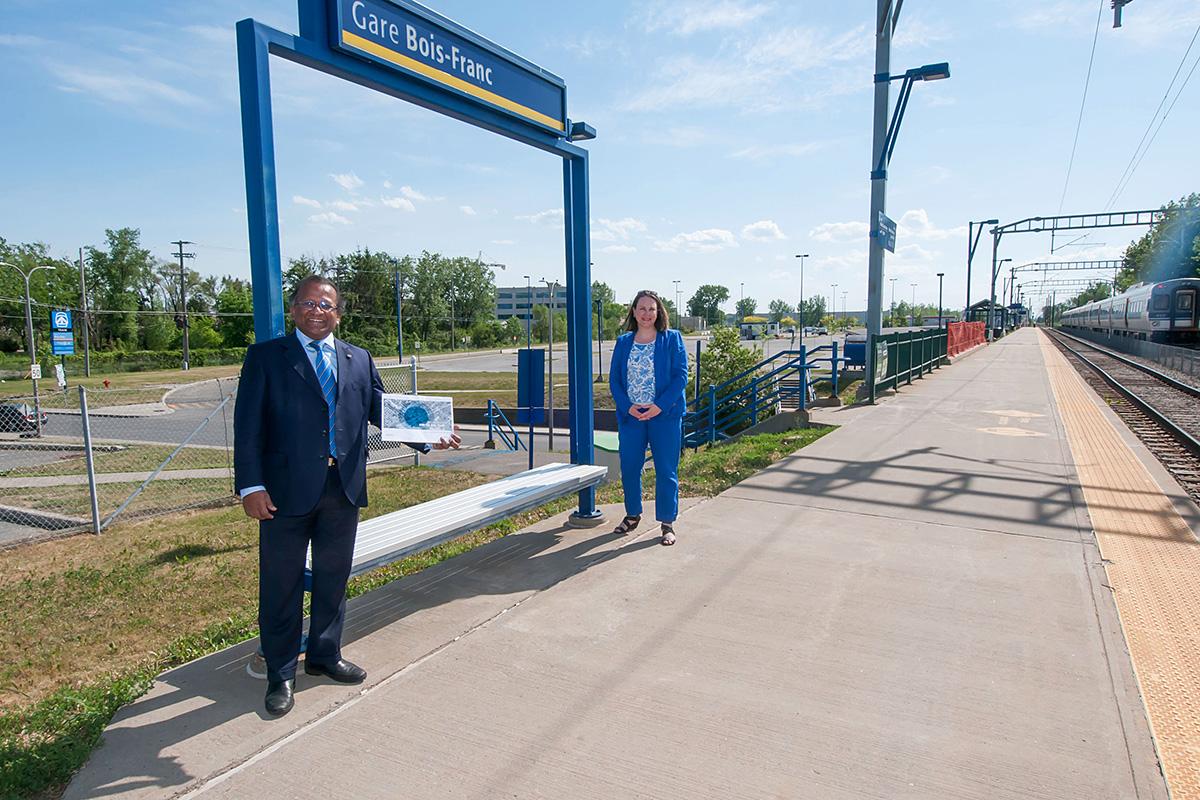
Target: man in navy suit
x,y
300,458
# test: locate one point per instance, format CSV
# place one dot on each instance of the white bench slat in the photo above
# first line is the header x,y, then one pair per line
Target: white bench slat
x,y
390,536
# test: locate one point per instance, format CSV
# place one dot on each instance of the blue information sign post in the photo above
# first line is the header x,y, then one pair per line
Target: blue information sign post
x,y
62,336
886,232
407,51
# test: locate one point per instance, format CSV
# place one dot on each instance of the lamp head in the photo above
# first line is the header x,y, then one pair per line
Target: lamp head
x,y
932,72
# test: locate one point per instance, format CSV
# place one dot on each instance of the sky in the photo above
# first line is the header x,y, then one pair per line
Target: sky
x,y
732,136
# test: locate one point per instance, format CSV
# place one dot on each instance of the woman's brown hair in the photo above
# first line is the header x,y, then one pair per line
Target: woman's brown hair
x,y
660,323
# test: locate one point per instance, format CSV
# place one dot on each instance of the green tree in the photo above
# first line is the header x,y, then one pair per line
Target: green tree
x,y
746,307
1100,290
117,278
725,361
706,303
811,311
202,335
780,309
58,287
1170,249
236,298
602,293
514,331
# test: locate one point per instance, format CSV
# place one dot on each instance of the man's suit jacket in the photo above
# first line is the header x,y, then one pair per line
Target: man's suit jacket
x,y
670,374
281,423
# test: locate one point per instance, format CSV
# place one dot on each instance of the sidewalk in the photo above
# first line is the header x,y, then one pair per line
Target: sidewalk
x,y
912,607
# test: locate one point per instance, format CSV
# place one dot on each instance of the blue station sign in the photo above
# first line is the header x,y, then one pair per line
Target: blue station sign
x,y
887,232
405,37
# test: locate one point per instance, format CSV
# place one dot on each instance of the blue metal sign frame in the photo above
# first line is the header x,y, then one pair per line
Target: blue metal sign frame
x,y
314,48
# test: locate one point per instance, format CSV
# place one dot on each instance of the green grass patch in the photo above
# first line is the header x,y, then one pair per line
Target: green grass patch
x,y
98,617
133,458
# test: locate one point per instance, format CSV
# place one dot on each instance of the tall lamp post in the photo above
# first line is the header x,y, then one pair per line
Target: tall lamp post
x,y
884,144
29,346
940,276
800,308
972,243
913,307
552,287
833,298
678,313
991,311
892,309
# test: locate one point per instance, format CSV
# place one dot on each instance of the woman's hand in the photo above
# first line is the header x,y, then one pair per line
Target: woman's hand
x,y
636,412
651,412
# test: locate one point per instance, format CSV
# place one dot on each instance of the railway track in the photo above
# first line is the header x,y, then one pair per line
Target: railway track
x,y
1162,412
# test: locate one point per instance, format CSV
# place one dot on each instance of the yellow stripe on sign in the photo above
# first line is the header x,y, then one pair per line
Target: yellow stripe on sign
x,y
354,40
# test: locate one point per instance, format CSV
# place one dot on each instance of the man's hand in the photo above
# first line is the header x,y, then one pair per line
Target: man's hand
x,y
452,443
258,505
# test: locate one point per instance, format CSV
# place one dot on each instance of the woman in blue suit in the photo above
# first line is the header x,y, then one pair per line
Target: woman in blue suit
x,y
648,377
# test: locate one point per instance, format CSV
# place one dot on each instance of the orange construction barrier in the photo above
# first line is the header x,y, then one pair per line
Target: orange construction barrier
x,y
962,336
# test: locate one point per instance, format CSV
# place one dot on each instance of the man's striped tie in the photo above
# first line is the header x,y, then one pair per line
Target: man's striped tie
x,y
328,387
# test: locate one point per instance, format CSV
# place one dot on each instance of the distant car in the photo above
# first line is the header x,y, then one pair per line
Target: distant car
x,y
19,417
821,330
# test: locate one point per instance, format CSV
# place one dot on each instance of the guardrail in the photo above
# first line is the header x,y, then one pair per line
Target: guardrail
x,y
901,356
744,399
497,423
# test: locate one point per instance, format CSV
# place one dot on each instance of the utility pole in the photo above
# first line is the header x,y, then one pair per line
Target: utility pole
x,y
183,296
913,311
83,305
892,311
398,288
678,313
940,276
800,308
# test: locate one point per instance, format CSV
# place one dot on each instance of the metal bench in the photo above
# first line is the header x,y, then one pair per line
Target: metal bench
x,y
392,536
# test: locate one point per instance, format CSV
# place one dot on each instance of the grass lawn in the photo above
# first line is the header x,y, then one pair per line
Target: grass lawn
x,y
133,458
93,619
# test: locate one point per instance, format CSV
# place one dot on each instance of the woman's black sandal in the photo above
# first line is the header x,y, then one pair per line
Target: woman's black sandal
x,y
668,534
628,524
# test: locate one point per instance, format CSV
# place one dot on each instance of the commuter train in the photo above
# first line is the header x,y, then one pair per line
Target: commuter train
x,y
1160,312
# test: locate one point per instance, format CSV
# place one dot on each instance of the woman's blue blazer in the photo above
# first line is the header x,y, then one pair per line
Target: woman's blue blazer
x,y
670,374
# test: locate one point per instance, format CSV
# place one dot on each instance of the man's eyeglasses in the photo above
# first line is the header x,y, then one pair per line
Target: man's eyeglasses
x,y
309,305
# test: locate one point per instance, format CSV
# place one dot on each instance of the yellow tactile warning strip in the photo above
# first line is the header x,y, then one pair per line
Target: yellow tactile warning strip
x,y
1153,566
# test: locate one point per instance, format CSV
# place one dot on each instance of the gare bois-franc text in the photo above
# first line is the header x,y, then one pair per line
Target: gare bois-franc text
x,y
424,44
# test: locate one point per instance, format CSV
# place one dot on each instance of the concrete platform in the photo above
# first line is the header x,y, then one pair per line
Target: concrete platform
x,y
912,607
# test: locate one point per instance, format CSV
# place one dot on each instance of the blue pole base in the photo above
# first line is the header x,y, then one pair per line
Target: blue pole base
x,y
592,520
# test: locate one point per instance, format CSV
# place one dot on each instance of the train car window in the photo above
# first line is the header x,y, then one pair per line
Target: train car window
x,y
1183,301
1161,302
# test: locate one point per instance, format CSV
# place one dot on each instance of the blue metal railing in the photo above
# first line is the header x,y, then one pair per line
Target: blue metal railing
x,y
498,423
744,399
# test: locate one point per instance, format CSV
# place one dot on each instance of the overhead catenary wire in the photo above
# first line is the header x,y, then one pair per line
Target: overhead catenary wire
x,y
1082,105
1136,159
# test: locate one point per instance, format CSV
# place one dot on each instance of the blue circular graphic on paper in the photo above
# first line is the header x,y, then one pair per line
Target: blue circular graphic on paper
x,y
416,416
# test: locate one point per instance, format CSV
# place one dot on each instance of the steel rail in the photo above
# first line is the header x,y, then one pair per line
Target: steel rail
x,y
1124,359
1185,439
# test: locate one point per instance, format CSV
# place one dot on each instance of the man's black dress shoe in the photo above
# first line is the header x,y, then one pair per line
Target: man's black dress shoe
x,y
279,697
341,671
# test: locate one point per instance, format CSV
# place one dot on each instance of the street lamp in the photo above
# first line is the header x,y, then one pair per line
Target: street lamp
x,y
552,287
33,362
884,144
528,311
678,317
800,308
972,243
892,310
913,308
940,275
845,310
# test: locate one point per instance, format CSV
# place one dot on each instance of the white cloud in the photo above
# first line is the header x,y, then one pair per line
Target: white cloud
x,y
760,74
387,184
328,218
686,18
504,241
300,200
794,149
708,240
122,88
915,223
402,203
552,216
839,231
413,194
343,205
348,181
618,248
762,231
779,275
608,230
21,40
470,212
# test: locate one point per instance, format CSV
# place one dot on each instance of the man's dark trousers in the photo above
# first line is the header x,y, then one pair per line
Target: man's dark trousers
x,y
282,547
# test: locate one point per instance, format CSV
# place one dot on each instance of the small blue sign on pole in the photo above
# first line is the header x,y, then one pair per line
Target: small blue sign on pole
x,y
60,319
531,386
887,232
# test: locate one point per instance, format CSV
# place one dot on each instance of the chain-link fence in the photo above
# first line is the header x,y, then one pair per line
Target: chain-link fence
x,y
152,450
